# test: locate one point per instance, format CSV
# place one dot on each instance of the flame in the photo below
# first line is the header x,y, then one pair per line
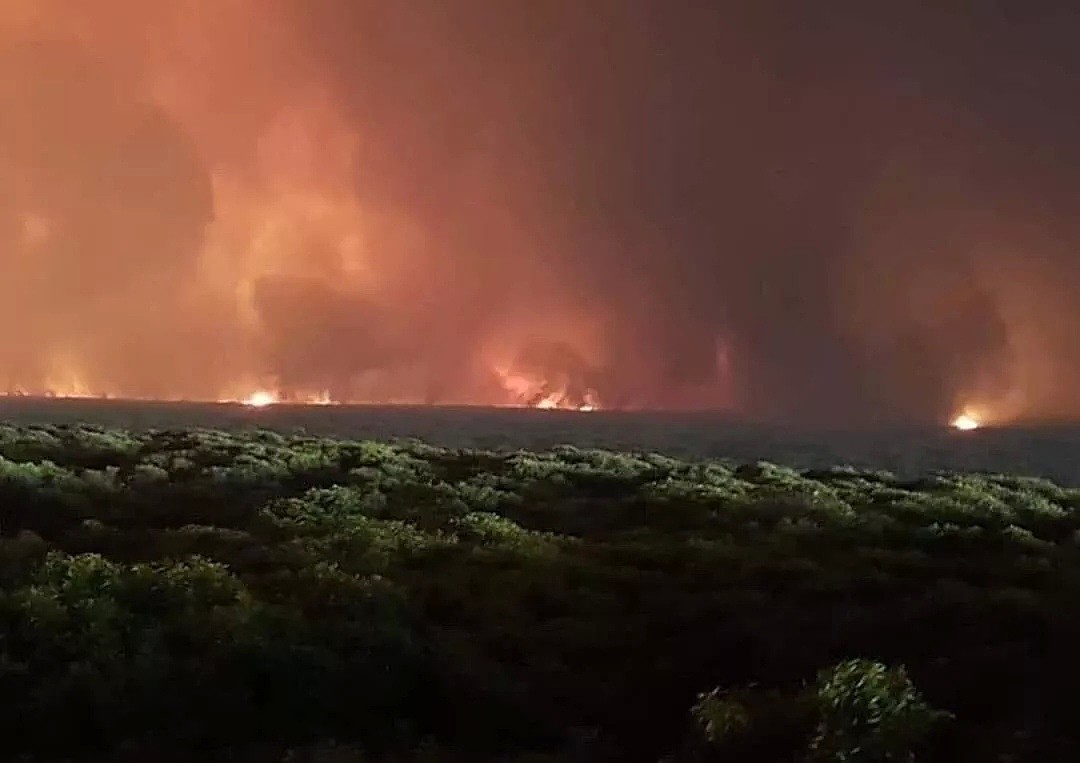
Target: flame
x,y
282,204
263,397
260,399
965,422
522,393
65,379
529,391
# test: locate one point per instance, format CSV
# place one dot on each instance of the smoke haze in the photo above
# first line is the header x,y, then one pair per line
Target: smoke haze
x,y
853,214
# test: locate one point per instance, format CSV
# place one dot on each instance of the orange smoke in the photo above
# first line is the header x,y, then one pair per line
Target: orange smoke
x,y
271,201
286,269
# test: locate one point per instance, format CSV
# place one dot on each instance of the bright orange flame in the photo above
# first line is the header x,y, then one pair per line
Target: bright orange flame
x,y
965,422
264,397
260,399
527,391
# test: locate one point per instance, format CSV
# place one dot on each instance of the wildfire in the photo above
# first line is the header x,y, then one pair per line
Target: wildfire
x,y
558,401
263,397
527,391
260,399
965,422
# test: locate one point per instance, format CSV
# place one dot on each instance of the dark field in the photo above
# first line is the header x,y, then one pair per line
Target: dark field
x,y
1051,451
194,594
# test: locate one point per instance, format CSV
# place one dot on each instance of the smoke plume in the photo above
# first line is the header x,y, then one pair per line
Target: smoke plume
x,y
847,214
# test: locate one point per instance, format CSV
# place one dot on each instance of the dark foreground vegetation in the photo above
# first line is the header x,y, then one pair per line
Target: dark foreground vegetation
x,y
196,595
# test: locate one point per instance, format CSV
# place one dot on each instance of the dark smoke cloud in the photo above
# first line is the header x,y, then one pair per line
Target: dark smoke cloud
x,y
851,213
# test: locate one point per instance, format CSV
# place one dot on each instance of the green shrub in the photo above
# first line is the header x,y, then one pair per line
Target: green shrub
x,y
870,713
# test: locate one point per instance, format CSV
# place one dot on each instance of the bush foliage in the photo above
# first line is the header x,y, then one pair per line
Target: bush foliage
x,y
192,595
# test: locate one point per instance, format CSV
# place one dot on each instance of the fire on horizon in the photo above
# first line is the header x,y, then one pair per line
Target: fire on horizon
x,y
785,211
965,422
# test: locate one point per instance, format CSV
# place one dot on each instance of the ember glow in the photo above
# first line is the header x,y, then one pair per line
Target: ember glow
x,y
529,391
378,202
260,399
964,422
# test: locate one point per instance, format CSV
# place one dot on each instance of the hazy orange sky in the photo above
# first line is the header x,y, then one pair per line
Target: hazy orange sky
x,y
844,215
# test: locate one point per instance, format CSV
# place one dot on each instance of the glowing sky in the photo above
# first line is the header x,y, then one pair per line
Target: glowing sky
x,y
804,214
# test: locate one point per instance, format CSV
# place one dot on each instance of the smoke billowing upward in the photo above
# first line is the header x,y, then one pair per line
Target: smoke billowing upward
x,y
850,215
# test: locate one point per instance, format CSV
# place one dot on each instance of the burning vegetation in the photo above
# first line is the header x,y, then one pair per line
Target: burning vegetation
x,y
376,202
188,245
550,376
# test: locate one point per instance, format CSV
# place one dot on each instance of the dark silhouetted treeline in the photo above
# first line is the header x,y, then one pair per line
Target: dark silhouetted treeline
x,y
197,595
